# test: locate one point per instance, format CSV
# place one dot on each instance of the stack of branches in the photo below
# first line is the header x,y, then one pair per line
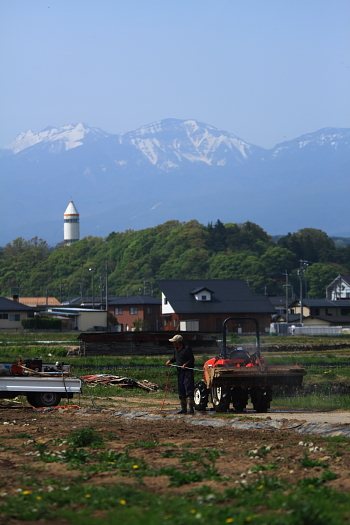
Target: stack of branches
x,y
123,382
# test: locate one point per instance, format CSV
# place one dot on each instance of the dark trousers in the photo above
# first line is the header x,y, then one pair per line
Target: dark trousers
x,y
185,383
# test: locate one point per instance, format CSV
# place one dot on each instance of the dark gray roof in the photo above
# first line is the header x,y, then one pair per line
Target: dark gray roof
x,y
6,305
333,319
229,297
278,300
200,289
317,303
342,302
323,303
134,299
292,318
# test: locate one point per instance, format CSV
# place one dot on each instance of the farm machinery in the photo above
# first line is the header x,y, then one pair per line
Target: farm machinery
x,y
235,376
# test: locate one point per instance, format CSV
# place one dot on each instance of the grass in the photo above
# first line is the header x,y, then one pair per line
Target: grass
x,y
326,385
268,501
312,402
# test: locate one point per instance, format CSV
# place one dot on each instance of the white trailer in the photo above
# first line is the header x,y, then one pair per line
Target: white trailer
x,y
41,390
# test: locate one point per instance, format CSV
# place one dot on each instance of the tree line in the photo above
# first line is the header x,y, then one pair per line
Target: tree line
x,y
134,260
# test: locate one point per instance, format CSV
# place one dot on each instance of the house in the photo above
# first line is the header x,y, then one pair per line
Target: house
x,y
128,310
39,303
203,305
339,288
12,312
323,312
81,319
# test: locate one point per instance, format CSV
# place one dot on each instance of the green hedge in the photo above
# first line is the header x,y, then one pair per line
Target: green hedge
x,y
42,323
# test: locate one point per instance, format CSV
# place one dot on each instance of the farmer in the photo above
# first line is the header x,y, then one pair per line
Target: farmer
x,y
184,359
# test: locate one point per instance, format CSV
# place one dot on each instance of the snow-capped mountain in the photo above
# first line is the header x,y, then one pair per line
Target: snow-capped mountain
x,y
171,169
65,138
329,141
169,143
165,144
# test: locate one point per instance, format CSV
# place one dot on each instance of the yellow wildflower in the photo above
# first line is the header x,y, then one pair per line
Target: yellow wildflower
x,y
122,501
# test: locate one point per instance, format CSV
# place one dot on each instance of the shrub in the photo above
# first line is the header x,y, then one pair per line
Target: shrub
x,y
43,323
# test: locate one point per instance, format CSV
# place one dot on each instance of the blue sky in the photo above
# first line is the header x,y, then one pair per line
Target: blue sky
x,y
265,70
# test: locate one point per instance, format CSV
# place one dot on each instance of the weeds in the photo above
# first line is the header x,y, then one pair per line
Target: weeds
x,y
261,468
267,500
85,437
22,435
310,463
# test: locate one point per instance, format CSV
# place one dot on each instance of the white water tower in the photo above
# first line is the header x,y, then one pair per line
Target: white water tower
x,y
71,224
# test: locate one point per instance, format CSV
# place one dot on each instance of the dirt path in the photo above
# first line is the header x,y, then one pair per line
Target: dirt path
x,y
310,416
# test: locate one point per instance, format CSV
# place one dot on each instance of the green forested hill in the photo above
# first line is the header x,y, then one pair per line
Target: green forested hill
x,y
136,259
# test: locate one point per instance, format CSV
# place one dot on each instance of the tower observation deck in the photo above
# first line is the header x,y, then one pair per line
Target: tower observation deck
x,y
71,224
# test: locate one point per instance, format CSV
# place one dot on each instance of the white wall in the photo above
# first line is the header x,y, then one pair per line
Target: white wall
x,y
166,308
6,324
87,320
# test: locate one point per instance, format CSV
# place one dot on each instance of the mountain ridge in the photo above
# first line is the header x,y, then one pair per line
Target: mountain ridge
x,y
172,169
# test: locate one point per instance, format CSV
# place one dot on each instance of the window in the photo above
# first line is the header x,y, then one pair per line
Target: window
x,y
315,311
344,311
165,322
15,317
204,297
150,310
175,323
165,300
118,311
133,310
4,316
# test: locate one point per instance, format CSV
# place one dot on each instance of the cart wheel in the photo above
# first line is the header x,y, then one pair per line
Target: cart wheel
x,y
221,398
200,396
44,399
239,399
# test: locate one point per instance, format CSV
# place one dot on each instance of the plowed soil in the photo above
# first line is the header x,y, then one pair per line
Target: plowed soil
x,y
20,464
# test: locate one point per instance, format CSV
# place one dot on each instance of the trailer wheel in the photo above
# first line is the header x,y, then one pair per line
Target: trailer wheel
x,y
239,399
200,396
221,398
44,399
261,399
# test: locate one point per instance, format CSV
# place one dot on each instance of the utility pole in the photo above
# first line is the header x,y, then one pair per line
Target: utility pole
x,y
287,305
101,290
303,266
106,285
93,288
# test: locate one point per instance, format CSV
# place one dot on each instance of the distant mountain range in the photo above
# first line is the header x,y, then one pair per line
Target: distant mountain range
x,y
172,169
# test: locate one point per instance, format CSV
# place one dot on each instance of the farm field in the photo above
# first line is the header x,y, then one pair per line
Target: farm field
x,y
73,466
102,460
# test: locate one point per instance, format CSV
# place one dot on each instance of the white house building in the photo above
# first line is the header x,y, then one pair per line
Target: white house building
x,y
339,288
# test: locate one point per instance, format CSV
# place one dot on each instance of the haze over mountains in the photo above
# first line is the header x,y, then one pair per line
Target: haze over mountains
x,y
172,169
